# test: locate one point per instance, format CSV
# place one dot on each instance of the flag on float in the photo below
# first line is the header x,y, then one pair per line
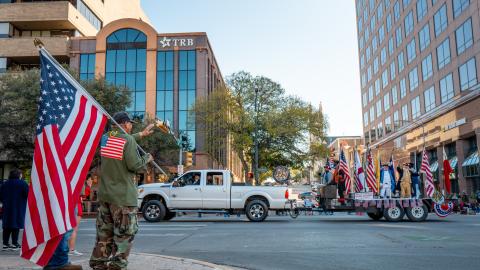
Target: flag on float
x,y
371,181
378,161
69,126
447,170
391,169
359,175
343,166
425,168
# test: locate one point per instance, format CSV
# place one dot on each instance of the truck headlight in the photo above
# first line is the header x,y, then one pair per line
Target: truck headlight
x,y
140,190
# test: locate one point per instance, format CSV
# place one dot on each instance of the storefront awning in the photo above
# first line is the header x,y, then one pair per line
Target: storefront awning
x,y
434,166
472,160
453,162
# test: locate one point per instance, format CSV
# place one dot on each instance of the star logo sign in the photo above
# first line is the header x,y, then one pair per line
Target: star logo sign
x,y
165,42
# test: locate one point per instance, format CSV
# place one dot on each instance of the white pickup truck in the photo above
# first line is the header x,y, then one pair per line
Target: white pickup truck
x,y
208,191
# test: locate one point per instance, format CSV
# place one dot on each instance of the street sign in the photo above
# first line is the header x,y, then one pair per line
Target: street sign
x,y
180,169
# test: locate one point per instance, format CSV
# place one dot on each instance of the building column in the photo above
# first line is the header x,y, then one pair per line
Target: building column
x,y
459,147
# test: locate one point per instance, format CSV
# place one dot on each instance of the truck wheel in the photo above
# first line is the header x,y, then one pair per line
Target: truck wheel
x,y
394,214
154,211
169,215
376,215
257,210
417,214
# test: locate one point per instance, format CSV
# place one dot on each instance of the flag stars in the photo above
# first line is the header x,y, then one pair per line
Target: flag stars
x,y
53,83
62,116
60,107
44,92
55,91
41,118
68,106
48,66
44,112
50,75
58,99
63,90
38,127
47,104
65,97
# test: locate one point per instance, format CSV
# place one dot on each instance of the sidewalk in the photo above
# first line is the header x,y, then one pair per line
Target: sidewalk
x,y
137,261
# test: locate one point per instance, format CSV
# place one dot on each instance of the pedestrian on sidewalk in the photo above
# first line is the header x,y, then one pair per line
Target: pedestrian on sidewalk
x,y
117,195
13,195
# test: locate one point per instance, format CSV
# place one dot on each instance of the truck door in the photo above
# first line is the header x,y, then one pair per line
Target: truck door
x,y
187,193
215,194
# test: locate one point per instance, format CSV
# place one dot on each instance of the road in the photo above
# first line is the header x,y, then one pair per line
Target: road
x,y
335,242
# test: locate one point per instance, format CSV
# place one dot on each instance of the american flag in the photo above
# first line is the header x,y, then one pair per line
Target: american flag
x,y
343,166
429,187
69,126
371,181
359,174
112,147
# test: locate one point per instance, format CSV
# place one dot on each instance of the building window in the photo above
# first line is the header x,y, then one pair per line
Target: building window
x,y
413,78
126,66
362,42
381,34
404,113
379,108
364,80
464,36
364,99
392,70
389,23
429,97
384,78
372,114
406,3
440,20
362,61
421,9
409,23
368,53
416,107
187,86
446,88
424,37
388,125
370,93
365,119
373,22
372,5
396,11
443,53
459,6
396,120
411,54
87,66
367,34
383,56
427,69
380,11
386,102
401,64
399,36
390,46
369,73
380,130
468,74
89,15
165,71
394,95
403,88
377,87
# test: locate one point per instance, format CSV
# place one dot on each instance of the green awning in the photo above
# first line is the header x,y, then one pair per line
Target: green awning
x,y
472,160
434,166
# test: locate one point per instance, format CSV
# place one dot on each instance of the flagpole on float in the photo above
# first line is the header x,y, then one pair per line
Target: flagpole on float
x,y
41,48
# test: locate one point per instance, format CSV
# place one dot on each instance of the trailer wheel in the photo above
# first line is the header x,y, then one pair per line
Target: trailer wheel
x,y
417,214
376,215
154,211
394,214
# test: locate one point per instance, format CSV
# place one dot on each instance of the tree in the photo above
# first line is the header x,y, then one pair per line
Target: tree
x,y
19,93
284,122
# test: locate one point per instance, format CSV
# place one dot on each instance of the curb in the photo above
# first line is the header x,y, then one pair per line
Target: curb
x,y
193,261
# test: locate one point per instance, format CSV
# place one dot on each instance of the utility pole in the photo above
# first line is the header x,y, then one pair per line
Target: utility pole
x,y
255,168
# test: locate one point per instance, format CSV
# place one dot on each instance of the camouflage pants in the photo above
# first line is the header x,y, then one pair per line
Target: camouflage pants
x,y
116,228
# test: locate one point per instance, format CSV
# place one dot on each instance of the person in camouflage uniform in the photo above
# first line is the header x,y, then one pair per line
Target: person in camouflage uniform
x,y
117,195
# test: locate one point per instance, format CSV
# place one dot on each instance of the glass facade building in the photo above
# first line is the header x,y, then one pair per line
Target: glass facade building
x,y
433,64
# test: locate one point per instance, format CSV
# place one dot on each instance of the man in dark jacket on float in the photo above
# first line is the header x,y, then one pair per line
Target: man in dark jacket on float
x,y
13,195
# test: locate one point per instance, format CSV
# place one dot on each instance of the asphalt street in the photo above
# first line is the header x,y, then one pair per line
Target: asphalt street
x,y
336,242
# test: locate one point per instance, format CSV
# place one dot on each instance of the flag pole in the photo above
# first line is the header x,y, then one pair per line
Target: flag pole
x,y
41,48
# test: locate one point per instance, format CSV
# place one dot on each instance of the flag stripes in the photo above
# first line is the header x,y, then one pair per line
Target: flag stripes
x,y
429,186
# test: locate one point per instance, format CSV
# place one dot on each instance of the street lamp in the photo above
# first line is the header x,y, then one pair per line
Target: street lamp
x,y
255,168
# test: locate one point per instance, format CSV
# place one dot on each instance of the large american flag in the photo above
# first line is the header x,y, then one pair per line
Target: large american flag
x,y
343,166
371,181
429,187
69,126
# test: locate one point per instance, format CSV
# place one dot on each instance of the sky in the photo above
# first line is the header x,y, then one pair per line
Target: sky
x,y
308,46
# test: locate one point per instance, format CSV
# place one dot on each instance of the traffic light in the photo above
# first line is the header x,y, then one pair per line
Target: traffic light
x,y
188,159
